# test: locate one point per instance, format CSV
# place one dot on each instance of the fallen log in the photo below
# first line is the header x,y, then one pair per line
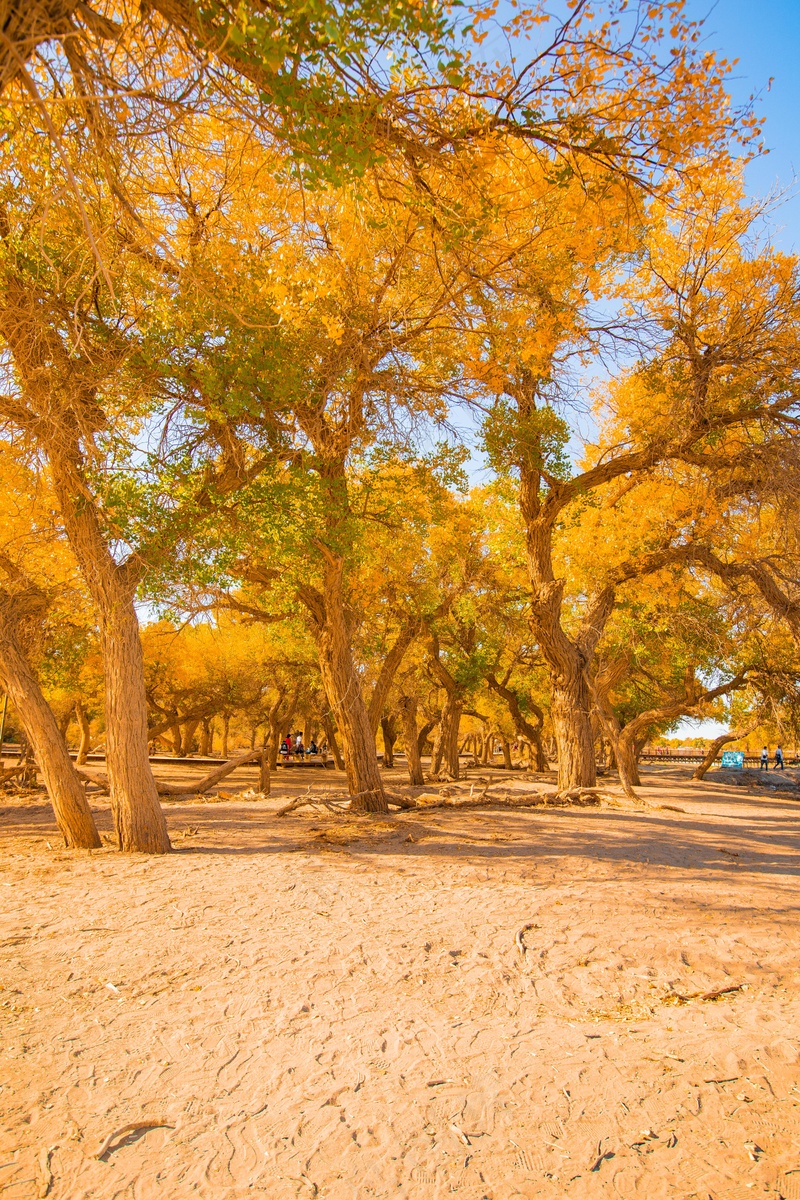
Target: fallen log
x,y
208,781
185,789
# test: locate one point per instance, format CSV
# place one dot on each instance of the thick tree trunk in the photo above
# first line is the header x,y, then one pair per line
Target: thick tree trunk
x,y
187,737
407,707
627,761
447,742
73,815
137,813
507,762
389,731
570,712
273,731
264,781
138,817
343,688
174,731
205,738
85,733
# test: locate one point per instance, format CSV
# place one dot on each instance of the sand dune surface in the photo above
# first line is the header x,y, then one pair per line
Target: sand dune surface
x,y
485,1004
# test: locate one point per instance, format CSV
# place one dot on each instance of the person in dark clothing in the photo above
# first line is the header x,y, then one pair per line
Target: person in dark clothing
x,y
764,759
779,759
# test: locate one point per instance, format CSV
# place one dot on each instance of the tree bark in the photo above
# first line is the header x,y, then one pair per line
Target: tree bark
x,y
343,687
67,796
85,733
448,737
424,735
226,725
445,750
205,737
507,761
389,731
138,816
189,729
264,782
333,745
570,709
407,707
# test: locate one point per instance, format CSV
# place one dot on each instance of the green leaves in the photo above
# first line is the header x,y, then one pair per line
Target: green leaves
x,y
537,439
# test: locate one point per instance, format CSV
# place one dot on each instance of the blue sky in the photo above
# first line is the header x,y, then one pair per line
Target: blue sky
x,y
765,36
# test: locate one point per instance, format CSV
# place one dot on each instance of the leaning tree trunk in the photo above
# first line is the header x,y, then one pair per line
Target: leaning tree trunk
x,y
716,746
138,817
333,745
343,688
423,736
622,747
85,733
407,707
73,815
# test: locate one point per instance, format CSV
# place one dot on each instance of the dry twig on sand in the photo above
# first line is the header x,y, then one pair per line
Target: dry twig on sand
x,y
715,995
520,938
133,1127
334,802
47,1175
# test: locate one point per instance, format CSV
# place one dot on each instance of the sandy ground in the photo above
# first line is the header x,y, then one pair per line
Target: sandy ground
x,y
333,1007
